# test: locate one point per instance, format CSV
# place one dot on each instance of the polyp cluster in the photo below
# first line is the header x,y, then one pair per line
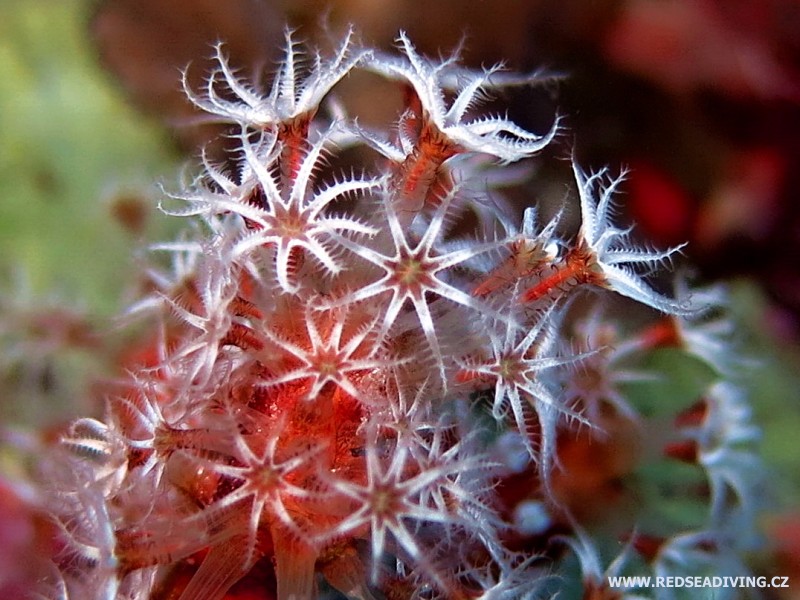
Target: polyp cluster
x,y
347,372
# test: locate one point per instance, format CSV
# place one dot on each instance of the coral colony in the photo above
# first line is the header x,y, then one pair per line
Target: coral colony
x,y
373,385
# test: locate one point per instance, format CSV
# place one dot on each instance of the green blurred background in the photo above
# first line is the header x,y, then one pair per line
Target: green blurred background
x,y
69,145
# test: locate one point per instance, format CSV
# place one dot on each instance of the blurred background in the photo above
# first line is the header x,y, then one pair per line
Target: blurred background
x,y
700,99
